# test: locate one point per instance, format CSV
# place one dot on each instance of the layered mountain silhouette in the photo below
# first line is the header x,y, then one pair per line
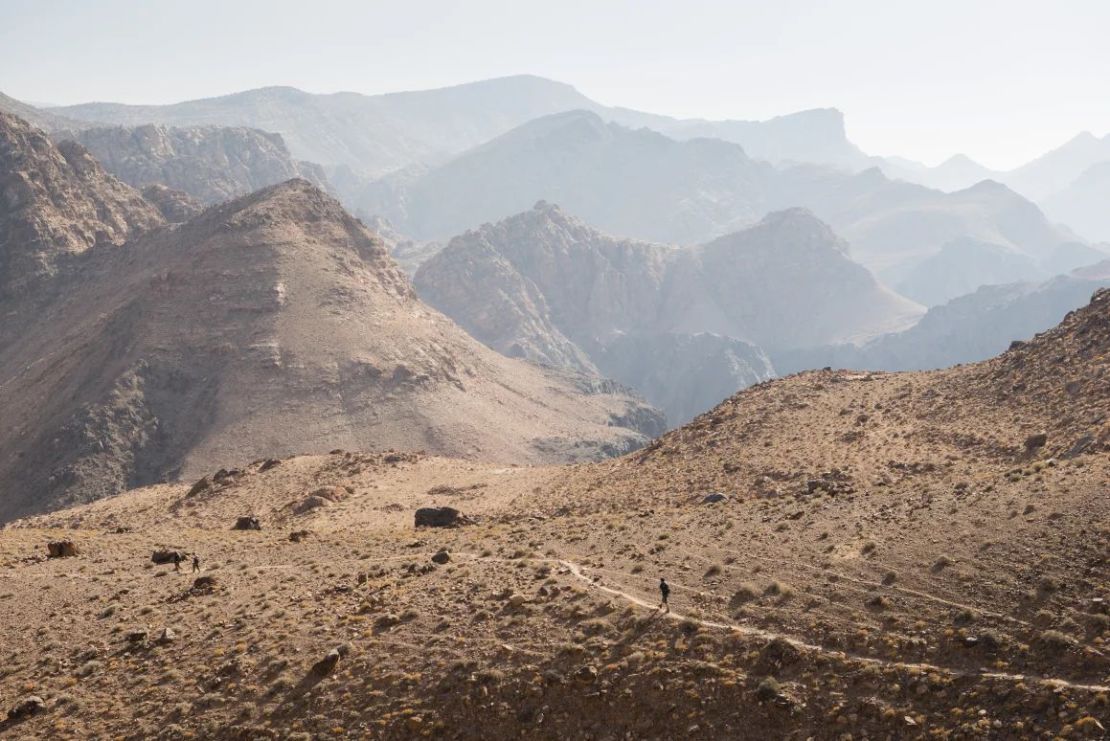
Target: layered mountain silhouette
x,y
966,329
545,286
1085,203
635,183
270,324
373,134
641,184
209,163
901,230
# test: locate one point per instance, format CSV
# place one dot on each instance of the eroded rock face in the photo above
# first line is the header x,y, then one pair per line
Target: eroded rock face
x,y
175,205
209,163
685,327
55,202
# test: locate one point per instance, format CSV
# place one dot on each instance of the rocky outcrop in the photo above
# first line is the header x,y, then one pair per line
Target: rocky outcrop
x,y
682,326
210,163
57,202
176,206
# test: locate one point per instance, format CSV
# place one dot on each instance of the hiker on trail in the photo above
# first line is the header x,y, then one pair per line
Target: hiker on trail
x,y
176,561
196,563
665,591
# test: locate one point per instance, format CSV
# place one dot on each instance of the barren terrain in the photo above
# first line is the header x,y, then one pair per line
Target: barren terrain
x,y
918,555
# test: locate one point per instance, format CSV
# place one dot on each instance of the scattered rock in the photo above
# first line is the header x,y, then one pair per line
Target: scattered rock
x,y
167,636
61,549
713,498
247,522
166,556
437,517
28,706
309,503
1035,442
298,535
1080,446
138,635
198,487
586,675
441,556
326,665
204,583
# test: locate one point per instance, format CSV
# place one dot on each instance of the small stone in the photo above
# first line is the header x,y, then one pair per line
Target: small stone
x,y
441,556
167,635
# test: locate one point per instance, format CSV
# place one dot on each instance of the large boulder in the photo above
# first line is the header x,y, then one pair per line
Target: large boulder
x,y
247,522
61,549
167,556
437,517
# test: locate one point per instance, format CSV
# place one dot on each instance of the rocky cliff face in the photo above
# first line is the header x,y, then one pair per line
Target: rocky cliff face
x,y
274,323
57,202
545,286
210,163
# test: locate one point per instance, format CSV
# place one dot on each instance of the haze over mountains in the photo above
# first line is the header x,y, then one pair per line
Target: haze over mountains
x,y
434,389
710,262
271,323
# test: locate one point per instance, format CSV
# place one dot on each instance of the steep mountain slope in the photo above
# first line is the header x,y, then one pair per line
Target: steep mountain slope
x,y
210,163
886,556
895,226
966,329
963,265
633,183
58,202
272,324
958,172
1054,171
545,286
817,136
38,117
1083,204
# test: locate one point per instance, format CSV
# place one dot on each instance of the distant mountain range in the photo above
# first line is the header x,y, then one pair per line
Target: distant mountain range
x,y
132,351
545,286
375,134
642,184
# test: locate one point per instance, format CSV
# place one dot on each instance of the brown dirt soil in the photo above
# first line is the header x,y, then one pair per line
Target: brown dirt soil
x,y
895,556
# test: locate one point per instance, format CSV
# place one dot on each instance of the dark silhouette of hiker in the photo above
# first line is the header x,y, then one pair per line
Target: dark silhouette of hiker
x,y
196,563
665,591
176,561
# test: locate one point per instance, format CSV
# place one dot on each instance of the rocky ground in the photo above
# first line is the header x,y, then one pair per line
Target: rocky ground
x,y
890,556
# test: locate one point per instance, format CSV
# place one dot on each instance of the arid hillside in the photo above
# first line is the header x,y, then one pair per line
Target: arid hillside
x,y
58,202
918,555
270,325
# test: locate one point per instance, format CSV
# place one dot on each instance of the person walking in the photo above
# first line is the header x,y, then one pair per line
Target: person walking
x,y
665,592
196,563
176,561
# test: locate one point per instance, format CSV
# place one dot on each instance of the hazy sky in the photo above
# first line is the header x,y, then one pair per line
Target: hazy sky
x,y
1000,81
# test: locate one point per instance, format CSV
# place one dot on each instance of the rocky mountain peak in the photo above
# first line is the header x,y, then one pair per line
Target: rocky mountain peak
x,y
57,201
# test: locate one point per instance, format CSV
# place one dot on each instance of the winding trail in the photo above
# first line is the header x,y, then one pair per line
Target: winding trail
x,y
577,571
